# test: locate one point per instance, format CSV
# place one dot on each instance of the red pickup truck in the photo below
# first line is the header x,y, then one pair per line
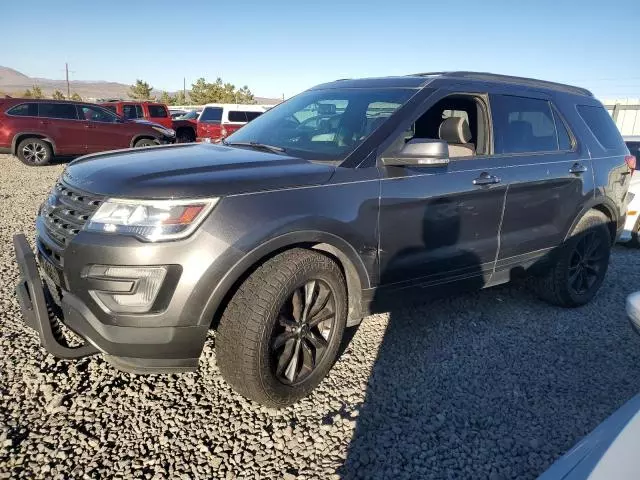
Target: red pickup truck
x,y
152,111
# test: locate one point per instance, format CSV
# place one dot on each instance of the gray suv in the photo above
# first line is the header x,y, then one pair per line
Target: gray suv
x,y
305,220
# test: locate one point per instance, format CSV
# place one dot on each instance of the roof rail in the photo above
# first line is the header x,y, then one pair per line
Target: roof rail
x,y
494,77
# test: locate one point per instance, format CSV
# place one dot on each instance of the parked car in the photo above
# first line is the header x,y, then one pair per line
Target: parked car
x,y
177,113
219,120
186,126
608,452
630,234
280,236
150,111
37,130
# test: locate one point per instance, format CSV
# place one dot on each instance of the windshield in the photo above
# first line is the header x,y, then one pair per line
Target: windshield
x,y
323,124
190,115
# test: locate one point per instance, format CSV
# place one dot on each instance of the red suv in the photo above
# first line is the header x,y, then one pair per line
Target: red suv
x,y
37,130
151,111
219,120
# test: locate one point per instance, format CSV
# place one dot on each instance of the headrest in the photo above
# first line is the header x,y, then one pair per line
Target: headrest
x,y
455,130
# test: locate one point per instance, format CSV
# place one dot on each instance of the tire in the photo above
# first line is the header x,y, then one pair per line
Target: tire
x,y
574,265
185,135
258,331
34,152
145,142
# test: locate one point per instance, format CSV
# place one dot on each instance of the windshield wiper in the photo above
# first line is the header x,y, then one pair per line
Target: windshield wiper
x,y
256,145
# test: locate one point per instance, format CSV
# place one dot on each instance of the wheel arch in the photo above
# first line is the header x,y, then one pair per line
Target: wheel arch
x,y
601,204
140,137
18,137
354,270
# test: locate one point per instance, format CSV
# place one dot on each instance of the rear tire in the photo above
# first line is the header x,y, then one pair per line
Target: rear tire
x,y
635,241
145,142
185,135
274,344
34,152
580,264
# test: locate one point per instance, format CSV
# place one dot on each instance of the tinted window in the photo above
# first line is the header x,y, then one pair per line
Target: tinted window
x,y
110,107
96,114
564,139
58,110
132,111
158,111
211,114
24,110
601,125
238,116
523,125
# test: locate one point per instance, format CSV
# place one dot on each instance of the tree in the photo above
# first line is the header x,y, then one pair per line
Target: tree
x,y
141,91
75,97
219,92
180,99
37,92
166,99
27,93
58,95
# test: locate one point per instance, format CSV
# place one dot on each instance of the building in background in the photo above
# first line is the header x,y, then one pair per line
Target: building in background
x,y
626,114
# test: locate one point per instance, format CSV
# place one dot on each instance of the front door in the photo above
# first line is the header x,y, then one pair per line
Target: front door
x,y
439,224
105,131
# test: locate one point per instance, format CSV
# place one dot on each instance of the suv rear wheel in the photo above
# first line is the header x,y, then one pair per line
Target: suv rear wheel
x,y
34,152
280,334
581,263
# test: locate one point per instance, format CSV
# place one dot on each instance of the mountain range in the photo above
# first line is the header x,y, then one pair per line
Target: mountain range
x,y
15,83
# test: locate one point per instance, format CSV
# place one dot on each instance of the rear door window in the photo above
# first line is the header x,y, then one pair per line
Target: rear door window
x,y
132,111
157,111
211,114
601,125
523,125
24,110
66,111
110,107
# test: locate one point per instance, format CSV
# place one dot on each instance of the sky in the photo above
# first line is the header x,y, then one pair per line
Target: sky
x,y
281,47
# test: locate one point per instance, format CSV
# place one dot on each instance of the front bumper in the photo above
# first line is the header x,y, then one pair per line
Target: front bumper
x,y
136,349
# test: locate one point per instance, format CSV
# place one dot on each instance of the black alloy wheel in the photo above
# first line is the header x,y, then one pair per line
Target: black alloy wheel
x,y
587,261
300,338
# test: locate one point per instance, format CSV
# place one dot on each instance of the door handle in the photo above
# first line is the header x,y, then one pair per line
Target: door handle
x,y
577,169
87,125
44,122
486,179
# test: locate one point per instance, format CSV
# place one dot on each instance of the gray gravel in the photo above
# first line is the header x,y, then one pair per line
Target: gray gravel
x,y
488,385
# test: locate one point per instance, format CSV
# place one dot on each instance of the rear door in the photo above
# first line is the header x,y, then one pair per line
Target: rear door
x,y
105,131
549,176
132,111
64,127
158,113
209,124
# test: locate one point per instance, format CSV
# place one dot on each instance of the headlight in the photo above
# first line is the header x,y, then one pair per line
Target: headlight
x,y
167,132
151,220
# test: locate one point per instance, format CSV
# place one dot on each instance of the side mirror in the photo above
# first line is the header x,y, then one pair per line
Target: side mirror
x,y
420,152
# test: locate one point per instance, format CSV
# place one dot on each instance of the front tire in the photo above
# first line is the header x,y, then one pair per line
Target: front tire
x,y
280,334
34,152
145,142
580,265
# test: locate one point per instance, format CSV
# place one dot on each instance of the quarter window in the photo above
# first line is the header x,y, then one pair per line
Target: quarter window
x,y
242,116
524,125
157,111
58,110
132,111
601,125
24,110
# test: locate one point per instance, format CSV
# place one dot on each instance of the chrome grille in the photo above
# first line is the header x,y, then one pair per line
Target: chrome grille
x,y
66,211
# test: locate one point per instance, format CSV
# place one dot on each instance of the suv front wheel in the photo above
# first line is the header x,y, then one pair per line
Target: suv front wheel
x,y
580,265
280,334
34,152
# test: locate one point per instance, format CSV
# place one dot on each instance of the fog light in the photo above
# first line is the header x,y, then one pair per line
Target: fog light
x,y
126,289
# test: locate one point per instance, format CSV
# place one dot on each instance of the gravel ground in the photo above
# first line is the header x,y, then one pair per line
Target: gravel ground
x,y
488,385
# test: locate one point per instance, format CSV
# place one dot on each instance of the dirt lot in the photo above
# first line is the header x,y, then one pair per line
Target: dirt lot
x,y
494,384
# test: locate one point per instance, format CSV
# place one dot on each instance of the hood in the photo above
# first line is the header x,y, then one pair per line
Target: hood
x,y
145,122
191,170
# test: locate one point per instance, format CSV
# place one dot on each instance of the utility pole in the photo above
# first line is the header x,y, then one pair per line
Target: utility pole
x,y
184,89
66,69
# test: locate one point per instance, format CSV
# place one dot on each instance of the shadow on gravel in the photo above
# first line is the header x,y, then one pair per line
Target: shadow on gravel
x,y
493,384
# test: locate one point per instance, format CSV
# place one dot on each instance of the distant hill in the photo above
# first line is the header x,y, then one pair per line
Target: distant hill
x,y
13,82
